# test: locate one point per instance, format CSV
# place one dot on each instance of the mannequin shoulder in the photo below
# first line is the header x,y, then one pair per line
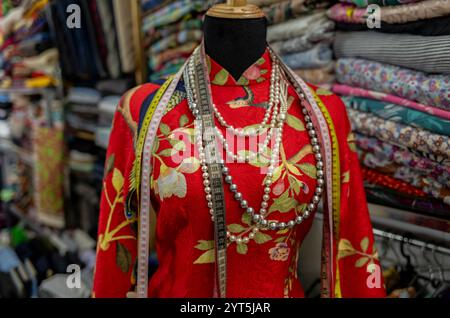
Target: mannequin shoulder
x,y
133,100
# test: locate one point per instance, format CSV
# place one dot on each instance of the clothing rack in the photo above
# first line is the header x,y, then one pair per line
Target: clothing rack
x,y
411,241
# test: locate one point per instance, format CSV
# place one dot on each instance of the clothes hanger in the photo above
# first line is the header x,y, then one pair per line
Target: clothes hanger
x,y
235,9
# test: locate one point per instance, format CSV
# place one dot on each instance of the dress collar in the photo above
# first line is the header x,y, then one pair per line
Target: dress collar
x,y
257,73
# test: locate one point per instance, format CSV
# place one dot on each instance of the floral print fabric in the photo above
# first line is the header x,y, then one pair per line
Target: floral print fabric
x,y
391,99
401,135
399,114
433,90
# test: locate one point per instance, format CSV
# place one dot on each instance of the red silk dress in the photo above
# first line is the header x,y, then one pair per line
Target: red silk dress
x,y
267,265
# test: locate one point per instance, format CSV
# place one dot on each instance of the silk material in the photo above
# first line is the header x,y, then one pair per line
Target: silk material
x,y
266,266
433,90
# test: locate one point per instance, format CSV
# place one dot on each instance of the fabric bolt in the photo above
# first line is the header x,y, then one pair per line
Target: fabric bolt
x,y
410,176
400,114
291,9
263,3
176,39
105,10
402,156
429,27
346,90
374,177
318,56
318,76
404,13
49,172
426,206
365,3
177,187
155,35
185,50
302,43
401,135
348,13
433,90
124,27
172,13
376,159
316,22
423,53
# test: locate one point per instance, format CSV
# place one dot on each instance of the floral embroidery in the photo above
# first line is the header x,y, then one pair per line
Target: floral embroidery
x,y
346,249
280,252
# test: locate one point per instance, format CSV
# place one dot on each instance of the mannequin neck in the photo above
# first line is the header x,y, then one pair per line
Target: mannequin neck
x,y
234,43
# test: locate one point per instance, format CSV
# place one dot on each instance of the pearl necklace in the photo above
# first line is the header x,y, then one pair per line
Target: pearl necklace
x,y
258,218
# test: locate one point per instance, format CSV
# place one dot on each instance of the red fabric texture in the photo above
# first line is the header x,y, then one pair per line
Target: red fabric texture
x,y
266,267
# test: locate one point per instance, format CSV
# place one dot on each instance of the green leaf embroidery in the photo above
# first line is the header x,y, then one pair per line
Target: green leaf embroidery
x,y
295,123
365,244
280,239
261,238
109,166
308,169
117,180
123,258
164,129
235,228
281,232
242,248
243,81
264,72
205,245
362,261
206,258
221,77
183,120
166,153
323,92
261,61
246,219
283,204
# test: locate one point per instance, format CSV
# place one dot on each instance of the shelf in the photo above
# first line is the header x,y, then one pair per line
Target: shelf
x,y
7,147
26,91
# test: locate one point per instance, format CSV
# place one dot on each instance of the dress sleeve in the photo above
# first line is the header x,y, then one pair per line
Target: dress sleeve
x,y
358,271
117,235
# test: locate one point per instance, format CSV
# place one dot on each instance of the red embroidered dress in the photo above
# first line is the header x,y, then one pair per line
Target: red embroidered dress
x,y
266,266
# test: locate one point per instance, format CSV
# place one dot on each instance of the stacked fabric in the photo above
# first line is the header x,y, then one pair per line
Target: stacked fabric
x,y
27,58
302,34
395,82
101,46
172,30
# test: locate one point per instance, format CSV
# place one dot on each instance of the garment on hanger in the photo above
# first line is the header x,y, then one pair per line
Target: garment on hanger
x,y
263,262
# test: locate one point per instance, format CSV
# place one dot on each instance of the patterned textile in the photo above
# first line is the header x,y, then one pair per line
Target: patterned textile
x,y
404,157
430,27
374,177
290,9
172,13
318,56
423,53
401,135
427,206
415,178
427,9
157,61
303,42
48,175
400,114
316,22
263,3
433,90
185,240
318,76
365,3
176,39
391,99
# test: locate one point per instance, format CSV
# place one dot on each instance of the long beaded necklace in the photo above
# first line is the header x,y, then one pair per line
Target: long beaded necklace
x,y
278,121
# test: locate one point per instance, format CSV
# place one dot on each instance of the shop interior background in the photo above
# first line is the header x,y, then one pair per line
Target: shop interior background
x,y
64,65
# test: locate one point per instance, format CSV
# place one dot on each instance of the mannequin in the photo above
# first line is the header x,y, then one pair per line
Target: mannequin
x,y
235,43
264,231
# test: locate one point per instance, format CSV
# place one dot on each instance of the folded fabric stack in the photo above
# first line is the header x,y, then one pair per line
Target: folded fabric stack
x,y
172,30
27,58
101,45
301,34
395,82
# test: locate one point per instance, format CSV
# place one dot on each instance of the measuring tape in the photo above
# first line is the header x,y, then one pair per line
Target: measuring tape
x,y
150,126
